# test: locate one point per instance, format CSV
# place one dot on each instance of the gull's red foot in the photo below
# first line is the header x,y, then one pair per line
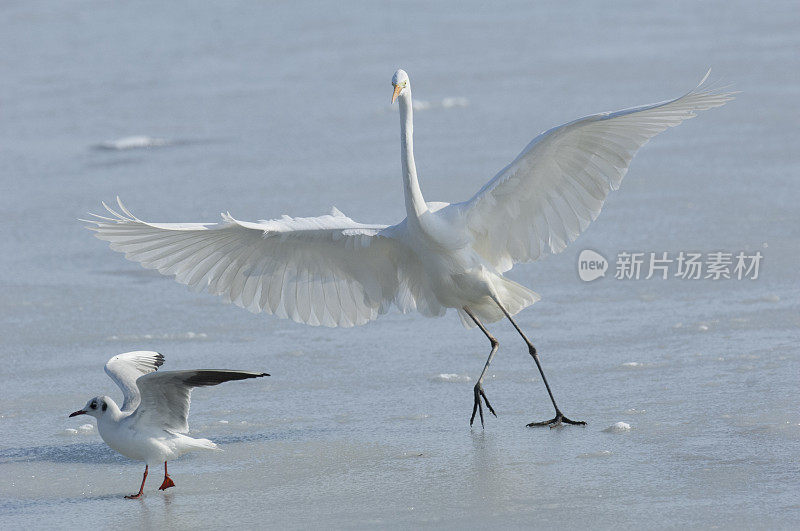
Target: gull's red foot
x,y
167,483
141,487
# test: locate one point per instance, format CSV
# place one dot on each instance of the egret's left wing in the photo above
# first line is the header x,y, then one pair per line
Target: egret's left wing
x,y
327,270
551,192
166,395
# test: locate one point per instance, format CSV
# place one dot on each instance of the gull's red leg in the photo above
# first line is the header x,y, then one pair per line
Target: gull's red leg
x,y
139,495
167,480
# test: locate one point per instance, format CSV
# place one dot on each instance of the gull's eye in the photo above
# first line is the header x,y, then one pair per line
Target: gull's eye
x,y
94,405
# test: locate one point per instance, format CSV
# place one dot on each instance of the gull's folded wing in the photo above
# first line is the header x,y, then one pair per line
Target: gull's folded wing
x,y
327,270
126,368
551,192
166,395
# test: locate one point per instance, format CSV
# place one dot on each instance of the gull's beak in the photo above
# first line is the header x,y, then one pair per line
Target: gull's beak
x,y
397,90
79,412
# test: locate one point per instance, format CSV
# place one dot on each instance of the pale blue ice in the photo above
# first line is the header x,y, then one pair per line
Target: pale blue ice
x,y
189,109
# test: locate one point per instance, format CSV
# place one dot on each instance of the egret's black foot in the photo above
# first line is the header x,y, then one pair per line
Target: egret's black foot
x,y
477,406
558,420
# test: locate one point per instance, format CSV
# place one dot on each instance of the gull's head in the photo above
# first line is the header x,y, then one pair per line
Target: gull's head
x,y
94,407
400,83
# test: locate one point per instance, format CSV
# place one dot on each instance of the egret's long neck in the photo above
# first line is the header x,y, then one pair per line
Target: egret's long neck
x,y
415,204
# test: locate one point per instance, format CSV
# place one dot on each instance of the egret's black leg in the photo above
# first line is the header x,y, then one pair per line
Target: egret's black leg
x,y
476,406
559,418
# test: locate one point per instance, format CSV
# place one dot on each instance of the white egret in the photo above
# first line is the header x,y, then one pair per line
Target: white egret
x,y
152,424
333,271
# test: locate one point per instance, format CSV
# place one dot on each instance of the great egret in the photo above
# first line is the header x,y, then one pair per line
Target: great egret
x,y
152,425
333,271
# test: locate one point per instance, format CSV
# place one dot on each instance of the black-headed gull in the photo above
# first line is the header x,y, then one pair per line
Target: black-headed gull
x,y
152,425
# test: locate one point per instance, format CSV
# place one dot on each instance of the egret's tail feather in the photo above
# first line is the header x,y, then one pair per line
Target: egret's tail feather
x,y
514,298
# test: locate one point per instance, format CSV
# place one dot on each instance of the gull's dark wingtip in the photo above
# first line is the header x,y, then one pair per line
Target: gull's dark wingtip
x,y
204,377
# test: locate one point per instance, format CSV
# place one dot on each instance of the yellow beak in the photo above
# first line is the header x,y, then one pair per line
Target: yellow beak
x,y
397,90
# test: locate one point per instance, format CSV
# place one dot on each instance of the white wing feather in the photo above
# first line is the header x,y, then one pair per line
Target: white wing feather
x,y
327,270
166,396
126,368
551,192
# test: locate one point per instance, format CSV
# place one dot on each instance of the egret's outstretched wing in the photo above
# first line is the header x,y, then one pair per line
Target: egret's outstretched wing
x,y
549,194
166,395
126,368
327,270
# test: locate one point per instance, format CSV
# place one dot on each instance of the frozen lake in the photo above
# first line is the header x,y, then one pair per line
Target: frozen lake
x,y
261,109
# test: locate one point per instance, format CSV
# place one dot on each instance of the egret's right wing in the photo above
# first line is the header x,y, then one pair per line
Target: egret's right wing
x,y
126,368
327,270
166,395
551,192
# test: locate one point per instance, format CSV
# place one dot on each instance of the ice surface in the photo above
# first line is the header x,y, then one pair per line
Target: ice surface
x,y
83,429
445,103
449,377
618,427
454,102
297,97
595,455
168,336
134,142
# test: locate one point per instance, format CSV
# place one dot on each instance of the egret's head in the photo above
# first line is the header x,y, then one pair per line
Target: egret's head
x,y
400,82
95,407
